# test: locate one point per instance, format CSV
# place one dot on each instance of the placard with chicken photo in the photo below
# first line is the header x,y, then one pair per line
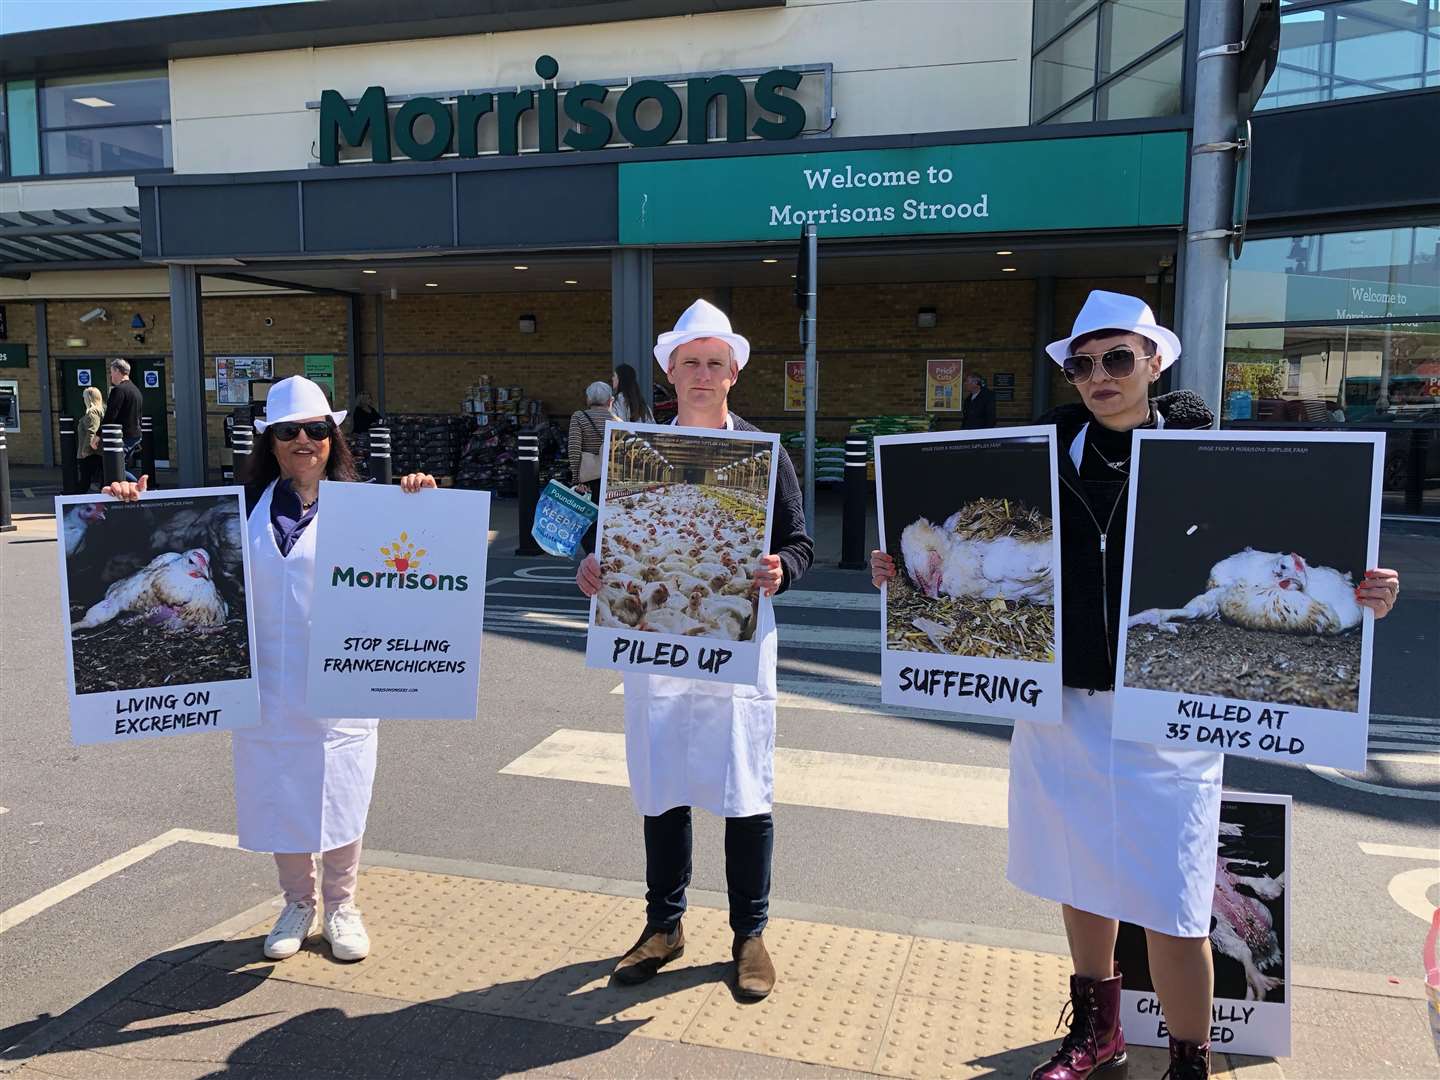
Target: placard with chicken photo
x,y
155,605
1243,632
684,521
969,621
1249,937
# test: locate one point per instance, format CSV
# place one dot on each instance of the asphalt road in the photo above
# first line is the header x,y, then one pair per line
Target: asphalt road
x,y
439,792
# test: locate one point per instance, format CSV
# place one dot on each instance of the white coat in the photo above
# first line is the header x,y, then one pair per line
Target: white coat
x,y
692,742
1126,830
302,782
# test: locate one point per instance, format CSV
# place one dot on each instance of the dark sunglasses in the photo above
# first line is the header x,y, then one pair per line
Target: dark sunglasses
x,y
1119,363
317,430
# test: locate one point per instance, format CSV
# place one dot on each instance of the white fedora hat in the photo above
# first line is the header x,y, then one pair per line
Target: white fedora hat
x,y
1116,311
296,398
701,319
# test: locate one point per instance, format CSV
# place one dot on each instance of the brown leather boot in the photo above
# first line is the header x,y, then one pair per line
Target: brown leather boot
x,y
754,971
647,956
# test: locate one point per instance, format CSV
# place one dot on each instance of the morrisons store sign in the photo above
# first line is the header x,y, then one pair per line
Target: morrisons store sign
x,y
647,112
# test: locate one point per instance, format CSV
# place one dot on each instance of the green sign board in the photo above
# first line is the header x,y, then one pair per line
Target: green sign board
x,y
12,355
1104,182
1310,297
321,369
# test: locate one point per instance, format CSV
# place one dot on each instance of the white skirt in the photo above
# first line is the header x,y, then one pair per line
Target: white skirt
x,y
1120,829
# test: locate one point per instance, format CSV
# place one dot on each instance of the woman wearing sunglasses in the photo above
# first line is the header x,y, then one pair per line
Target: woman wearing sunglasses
x,y
302,781
1108,828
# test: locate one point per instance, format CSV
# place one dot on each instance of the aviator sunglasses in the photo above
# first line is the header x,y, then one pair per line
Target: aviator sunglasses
x,y
1119,363
315,429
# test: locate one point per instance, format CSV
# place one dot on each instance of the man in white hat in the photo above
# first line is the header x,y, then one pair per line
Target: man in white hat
x,y
695,743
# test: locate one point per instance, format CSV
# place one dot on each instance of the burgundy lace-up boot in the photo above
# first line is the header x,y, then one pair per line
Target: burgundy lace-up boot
x,y
1188,1061
1095,1045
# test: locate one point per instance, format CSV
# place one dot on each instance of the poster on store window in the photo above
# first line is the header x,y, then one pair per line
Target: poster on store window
x,y
969,622
155,602
321,371
685,516
399,602
1242,632
1249,938
233,375
944,385
794,385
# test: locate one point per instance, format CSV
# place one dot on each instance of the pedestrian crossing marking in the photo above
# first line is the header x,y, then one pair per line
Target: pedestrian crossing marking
x,y
896,787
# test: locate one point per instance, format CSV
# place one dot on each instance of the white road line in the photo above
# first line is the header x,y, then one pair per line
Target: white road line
x,y
28,909
1335,776
1400,851
1412,755
831,601
925,790
4,809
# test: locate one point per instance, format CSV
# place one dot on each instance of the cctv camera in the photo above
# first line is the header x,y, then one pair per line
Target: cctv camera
x,y
269,321
93,314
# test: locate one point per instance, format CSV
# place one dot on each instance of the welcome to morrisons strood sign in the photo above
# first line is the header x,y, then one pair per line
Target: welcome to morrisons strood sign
x,y
454,124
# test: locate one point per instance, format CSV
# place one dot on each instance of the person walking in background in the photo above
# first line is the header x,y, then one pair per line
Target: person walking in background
x,y
630,404
87,453
979,408
303,777
124,407
587,441
366,415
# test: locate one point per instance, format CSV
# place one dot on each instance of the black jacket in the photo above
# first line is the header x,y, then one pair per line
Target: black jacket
x,y
124,407
1091,571
979,411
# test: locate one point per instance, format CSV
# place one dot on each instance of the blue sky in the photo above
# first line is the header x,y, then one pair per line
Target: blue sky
x,y
17,16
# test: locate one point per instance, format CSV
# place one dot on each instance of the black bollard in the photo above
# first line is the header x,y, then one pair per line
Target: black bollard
x,y
242,446
857,505
6,525
147,451
381,471
527,487
69,449
112,452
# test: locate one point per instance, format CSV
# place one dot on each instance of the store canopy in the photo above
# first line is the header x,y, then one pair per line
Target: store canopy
x,y
76,239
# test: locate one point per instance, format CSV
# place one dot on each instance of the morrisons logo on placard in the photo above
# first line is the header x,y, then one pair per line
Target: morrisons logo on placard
x,y
647,113
403,571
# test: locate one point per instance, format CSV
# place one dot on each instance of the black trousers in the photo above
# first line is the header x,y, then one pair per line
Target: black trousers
x,y
749,847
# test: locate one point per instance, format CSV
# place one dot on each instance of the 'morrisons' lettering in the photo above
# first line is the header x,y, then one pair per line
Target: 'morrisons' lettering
x,y
351,578
454,128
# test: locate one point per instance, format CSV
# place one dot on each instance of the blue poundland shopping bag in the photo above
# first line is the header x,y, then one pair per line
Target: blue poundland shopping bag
x,y
561,519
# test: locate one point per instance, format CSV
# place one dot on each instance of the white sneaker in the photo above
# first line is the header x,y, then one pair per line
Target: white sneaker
x,y
295,924
345,931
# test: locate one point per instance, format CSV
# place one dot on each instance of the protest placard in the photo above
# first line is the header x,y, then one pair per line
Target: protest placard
x,y
155,600
399,604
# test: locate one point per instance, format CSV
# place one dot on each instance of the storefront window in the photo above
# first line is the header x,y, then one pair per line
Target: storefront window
x,y
1107,59
114,123
1338,329
1330,51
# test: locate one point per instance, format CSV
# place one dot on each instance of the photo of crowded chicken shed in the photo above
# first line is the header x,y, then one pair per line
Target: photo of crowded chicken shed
x,y
155,592
683,524
971,528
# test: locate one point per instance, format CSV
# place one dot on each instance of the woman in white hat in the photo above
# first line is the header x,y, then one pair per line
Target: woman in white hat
x,y
1113,829
302,780
690,742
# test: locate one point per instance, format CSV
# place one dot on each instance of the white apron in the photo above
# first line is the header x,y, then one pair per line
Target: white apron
x,y
692,742
1126,830
302,782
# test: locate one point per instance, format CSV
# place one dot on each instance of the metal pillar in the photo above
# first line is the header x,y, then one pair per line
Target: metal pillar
x,y
381,466
42,364
1043,322
812,371
632,313
857,504
187,336
69,452
527,487
112,453
147,451
1206,252
242,446
380,354
352,348
6,525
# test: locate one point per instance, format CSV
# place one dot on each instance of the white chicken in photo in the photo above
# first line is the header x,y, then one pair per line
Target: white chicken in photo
x,y
942,562
1268,590
77,522
175,591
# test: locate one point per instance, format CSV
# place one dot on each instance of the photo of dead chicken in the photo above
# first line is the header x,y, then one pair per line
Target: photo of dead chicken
x,y
683,524
1245,560
155,592
971,528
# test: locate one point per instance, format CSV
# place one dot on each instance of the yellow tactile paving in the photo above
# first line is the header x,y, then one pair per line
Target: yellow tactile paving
x,y
846,998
